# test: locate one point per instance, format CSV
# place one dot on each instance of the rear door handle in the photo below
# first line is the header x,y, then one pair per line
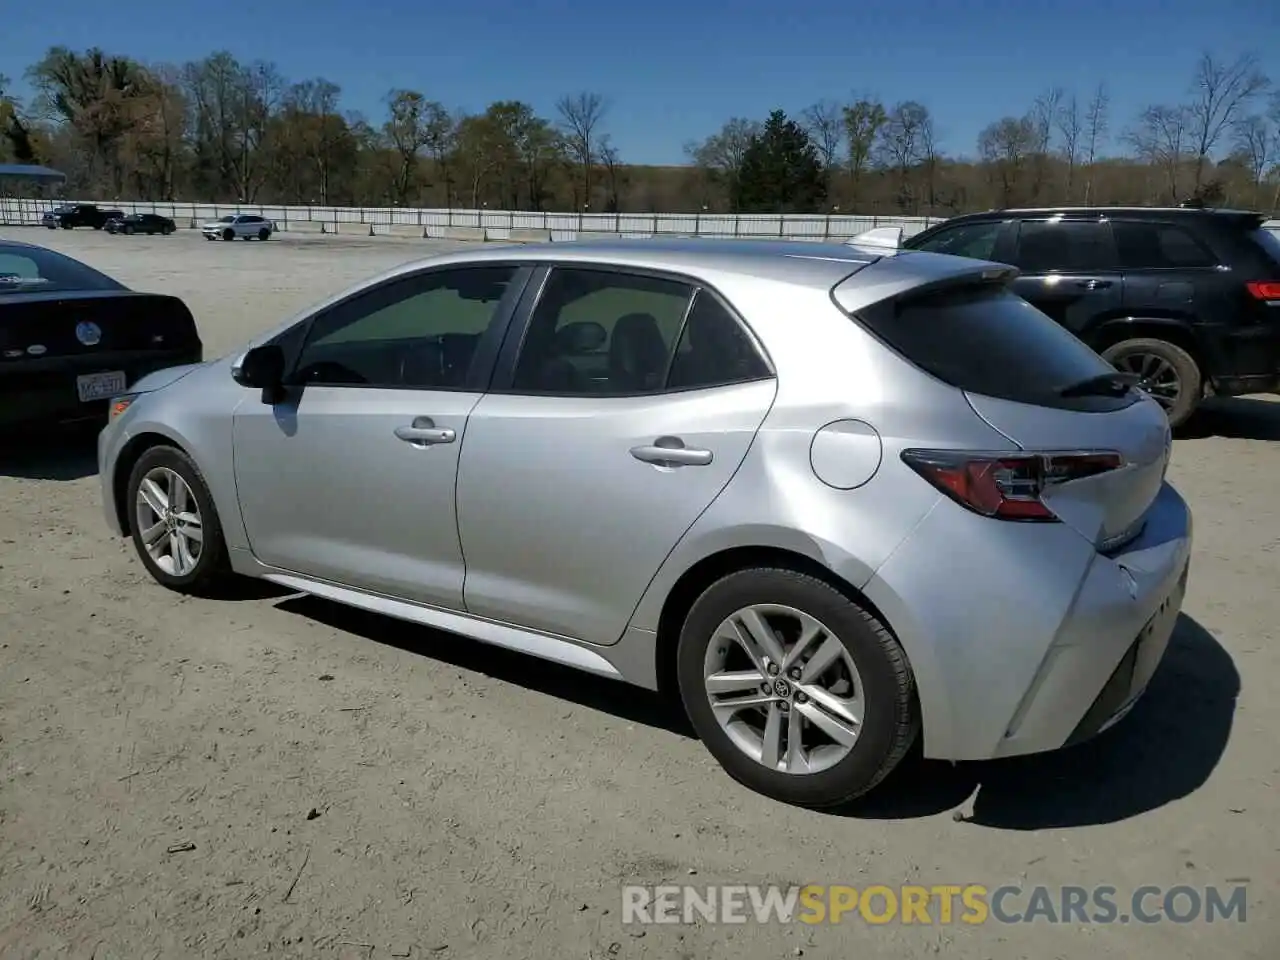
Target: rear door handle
x,y
1093,284
671,452
424,432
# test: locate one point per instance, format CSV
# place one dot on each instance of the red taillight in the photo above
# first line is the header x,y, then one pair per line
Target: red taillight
x,y
1006,486
1264,289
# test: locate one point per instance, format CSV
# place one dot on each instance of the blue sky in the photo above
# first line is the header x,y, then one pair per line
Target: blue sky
x,y
674,70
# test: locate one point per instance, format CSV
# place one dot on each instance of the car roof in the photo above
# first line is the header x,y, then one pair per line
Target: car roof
x,y
1161,212
801,262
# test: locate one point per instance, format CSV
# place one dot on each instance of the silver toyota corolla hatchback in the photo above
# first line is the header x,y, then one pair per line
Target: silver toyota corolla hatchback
x,y
836,497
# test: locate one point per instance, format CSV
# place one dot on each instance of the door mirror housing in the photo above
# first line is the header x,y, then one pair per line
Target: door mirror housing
x,y
263,368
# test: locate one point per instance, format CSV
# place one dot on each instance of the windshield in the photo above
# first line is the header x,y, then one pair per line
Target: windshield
x,y
226,219
31,269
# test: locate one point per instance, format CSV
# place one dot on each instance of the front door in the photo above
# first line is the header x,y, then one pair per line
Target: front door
x,y
1068,270
350,478
632,402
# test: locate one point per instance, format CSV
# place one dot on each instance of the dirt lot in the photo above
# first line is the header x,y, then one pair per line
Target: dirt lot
x,y
353,787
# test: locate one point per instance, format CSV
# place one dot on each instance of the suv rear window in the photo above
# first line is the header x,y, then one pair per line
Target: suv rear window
x,y
985,340
25,269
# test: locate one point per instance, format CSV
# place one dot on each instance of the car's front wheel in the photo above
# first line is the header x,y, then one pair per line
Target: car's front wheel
x,y
228,234
173,522
800,693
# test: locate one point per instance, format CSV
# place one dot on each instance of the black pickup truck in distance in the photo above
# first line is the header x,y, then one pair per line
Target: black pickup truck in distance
x,y
72,215
1185,298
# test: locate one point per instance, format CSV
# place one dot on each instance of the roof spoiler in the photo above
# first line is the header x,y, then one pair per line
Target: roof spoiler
x,y
883,237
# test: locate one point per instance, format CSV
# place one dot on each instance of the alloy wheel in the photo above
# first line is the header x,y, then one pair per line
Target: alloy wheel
x,y
169,523
1158,378
784,689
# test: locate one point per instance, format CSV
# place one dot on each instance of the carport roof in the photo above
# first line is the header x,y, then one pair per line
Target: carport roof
x,y
22,171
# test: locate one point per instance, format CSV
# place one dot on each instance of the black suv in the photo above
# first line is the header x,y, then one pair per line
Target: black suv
x,y
1188,299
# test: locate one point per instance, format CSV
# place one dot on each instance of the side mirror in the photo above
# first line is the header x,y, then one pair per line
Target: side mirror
x,y
263,368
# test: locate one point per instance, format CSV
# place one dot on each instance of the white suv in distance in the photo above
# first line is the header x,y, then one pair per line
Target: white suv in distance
x,y
247,226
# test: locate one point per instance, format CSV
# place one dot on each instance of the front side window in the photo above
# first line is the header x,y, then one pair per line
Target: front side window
x,y
1064,246
601,333
975,240
418,332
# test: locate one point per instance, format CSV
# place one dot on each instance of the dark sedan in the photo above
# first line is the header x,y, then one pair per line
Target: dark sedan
x,y
147,223
71,338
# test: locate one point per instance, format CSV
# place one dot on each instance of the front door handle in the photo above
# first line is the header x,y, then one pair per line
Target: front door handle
x,y
1093,284
424,431
671,452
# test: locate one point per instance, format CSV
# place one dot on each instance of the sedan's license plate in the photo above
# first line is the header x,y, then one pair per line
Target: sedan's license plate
x,y
100,386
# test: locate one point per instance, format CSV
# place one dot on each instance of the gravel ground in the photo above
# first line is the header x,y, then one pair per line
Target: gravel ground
x,y
277,775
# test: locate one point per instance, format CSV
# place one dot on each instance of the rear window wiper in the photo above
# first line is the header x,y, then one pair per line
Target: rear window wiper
x,y
1114,384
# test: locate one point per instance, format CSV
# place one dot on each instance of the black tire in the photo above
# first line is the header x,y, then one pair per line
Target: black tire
x,y
1190,379
212,567
264,234
890,721
127,229
228,234
66,226
168,229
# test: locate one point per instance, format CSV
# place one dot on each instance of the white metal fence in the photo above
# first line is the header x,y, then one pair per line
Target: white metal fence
x,y
498,224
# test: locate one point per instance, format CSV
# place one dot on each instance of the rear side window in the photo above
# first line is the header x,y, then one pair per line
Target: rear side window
x,y
1064,246
713,350
986,340
1159,246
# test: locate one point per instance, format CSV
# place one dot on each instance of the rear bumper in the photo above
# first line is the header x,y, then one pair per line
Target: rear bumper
x,y
43,393
1024,638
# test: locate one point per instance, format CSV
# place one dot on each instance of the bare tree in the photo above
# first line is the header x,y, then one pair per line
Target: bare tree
x,y
824,122
1160,138
1042,117
1097,122
900,143
1070,125
408,130
1007,146
1221,92
1257,144
720,156
863,121
580,117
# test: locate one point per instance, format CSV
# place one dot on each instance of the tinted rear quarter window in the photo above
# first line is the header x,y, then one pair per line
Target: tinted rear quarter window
x,y
1148,245
1064,246
1268,240
986,340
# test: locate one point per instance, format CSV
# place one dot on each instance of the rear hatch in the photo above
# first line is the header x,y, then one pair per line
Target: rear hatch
x,y
1036,384
125,322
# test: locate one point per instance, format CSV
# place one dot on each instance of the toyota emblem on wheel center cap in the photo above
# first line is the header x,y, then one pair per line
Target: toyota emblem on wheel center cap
x,y
88,333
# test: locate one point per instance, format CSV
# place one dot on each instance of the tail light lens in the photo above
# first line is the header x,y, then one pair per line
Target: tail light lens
x,y
1007,486
1264,289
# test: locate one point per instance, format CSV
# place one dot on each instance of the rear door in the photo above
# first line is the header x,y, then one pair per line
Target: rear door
x,y
591,457
1014,365
1068,269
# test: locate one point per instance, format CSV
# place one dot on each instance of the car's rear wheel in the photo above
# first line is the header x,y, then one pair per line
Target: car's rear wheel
x,y
173,522
168,229
800,693
264,234
1167,372
228,234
